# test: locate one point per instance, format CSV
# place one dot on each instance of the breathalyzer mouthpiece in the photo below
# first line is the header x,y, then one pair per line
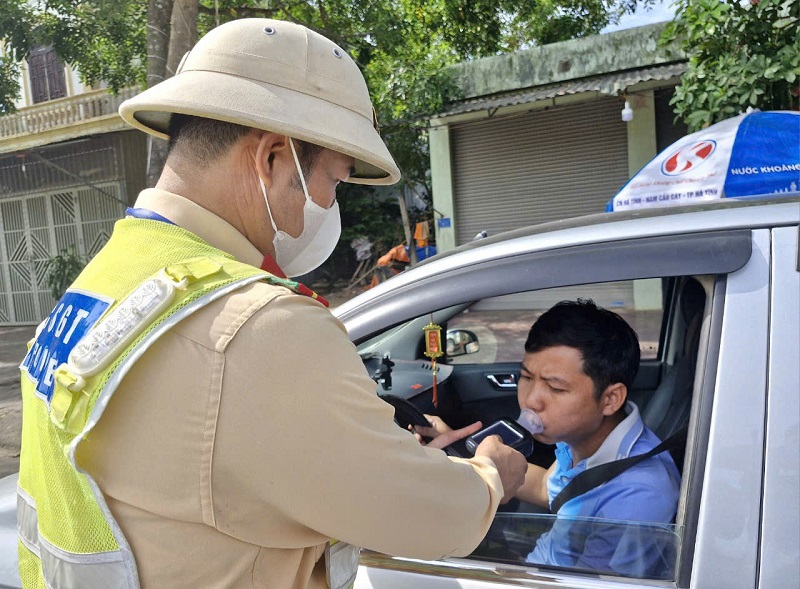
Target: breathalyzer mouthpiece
x,y
530,421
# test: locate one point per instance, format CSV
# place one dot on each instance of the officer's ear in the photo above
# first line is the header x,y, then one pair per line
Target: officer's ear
x,y
268,145
613,398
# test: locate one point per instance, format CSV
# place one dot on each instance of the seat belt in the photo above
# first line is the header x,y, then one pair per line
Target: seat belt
x,y
596,476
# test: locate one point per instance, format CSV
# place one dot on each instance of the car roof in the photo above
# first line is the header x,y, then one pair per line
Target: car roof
x,y
762,203
713,216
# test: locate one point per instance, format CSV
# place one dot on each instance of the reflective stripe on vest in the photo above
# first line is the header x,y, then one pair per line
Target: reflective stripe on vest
x,y
64,569
118,568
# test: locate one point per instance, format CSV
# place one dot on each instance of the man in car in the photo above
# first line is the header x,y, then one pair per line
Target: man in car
x,y
579,363
192,417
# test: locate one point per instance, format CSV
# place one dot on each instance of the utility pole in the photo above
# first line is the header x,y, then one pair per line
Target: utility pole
x,y
412,245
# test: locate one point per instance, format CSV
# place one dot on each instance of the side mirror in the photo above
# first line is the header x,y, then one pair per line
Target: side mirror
x,y
461,342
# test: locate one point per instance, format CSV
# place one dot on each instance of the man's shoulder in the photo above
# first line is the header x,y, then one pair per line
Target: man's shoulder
x,y
651,476
253,310
648,490
647,441
646,493
658,470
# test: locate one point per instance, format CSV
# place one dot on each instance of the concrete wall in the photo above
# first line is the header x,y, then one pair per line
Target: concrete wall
x,y
442,186
567,60
641,131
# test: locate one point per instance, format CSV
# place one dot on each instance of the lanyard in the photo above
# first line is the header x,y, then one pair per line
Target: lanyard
x,y
140,213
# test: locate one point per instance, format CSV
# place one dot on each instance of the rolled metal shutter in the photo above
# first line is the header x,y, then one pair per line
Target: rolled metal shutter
x,y
537,166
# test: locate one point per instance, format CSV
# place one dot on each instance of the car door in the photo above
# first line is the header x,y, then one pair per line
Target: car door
x,y
780,522
589,265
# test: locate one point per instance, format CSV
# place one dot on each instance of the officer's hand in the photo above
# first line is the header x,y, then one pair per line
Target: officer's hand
x,y
511,465
440,433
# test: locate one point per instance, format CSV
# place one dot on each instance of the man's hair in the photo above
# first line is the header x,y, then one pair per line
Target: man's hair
x,y
206,140
608,345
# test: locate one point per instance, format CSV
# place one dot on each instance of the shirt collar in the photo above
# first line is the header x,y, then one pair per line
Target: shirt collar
x,y
202,222
620,441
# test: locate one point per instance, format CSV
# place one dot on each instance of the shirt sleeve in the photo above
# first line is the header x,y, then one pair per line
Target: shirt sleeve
x,y
306,451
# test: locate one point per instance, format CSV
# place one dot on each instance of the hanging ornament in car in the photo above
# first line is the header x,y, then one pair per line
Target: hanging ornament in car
x,y
433,350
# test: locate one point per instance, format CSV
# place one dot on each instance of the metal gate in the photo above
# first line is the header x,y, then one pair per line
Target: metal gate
x,y
36,227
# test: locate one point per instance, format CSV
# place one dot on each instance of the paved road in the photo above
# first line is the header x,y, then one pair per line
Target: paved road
x,y
12,349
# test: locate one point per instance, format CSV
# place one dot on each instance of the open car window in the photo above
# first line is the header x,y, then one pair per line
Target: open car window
x,y
494,330
477,380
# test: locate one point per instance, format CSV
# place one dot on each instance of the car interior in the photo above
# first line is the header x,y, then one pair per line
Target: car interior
x,y
477,375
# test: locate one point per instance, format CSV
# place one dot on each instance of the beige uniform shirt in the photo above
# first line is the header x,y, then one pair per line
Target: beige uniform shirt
x,y
250,434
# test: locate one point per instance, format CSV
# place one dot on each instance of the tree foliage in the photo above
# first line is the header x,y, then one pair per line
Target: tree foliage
x,y
105,40
62,270
741,54
477,28
16,27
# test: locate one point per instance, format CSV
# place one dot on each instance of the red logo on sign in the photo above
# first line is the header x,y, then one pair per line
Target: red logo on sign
x,y
688,158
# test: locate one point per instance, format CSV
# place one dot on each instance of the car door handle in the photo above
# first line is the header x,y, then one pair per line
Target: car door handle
x,y
503,381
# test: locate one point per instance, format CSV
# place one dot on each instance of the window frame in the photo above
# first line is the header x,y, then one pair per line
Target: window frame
x,y
46,74
711,252
666,317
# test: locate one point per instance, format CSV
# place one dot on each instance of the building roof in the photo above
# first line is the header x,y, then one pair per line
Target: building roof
x,y
610,84
606,64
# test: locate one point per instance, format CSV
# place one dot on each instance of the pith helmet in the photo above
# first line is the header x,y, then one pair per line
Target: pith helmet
x,y
276,76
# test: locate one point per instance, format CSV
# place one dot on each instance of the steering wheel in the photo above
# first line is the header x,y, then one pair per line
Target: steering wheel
x,y
405,413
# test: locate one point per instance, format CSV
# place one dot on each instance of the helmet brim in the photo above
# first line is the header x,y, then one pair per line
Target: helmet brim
x,y
261,105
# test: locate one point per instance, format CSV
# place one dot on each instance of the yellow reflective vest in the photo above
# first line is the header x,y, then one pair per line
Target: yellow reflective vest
x,y
149,276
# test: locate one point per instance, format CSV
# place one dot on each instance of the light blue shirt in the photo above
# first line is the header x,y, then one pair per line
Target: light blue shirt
x,y
646,492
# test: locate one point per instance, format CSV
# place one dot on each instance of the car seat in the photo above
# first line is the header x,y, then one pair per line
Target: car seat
x,y
667,411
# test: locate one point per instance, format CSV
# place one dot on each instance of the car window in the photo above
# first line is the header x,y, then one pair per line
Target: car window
x,y
624,548
477,380
494,330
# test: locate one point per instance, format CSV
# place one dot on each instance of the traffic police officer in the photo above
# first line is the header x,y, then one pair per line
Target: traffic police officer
x,y
191,416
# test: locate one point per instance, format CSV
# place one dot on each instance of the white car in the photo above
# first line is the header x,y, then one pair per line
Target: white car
x,y
712,290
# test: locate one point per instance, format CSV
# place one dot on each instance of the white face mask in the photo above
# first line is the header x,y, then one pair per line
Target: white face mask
x,y
321,230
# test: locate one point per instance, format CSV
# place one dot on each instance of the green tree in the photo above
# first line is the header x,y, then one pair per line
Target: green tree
x,y
105,39
62,270
741,54
476,28
403,45
16,27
